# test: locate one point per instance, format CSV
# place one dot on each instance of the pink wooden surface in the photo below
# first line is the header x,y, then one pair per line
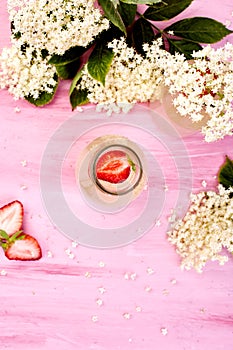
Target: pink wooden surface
x,y
53,303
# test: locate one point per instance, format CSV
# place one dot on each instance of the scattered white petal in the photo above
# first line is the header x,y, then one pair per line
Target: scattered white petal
x,y
165,187
158,223
101,264
79,109
204,183
165,292
87,274
23,187
67,251
126,276
74,244
202,310
133,276
49,254
95,318
138,308
102,290
164,331
173,281
130,340
148,289
127,315
150,271
23,163
17,110
3,273
227,23
99,302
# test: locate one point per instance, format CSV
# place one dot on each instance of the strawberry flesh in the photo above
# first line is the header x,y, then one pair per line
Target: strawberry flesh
x,y
11,217
113,167
25,247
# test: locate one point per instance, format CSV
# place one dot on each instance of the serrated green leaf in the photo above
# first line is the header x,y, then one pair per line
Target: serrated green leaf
x,y
141,2
44,97
199,29
184,47
225,175
69,70
166,9
69,56
112,14
78,98
99,62
142,33
127,12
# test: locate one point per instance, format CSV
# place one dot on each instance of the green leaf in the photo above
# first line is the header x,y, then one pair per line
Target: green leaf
x,y
141,2
15,236
184,47
225,175
199,29
112,14
99,62
69,70
3,234
78,98
166,9
44,97
69,56
142,33
76,80
127,12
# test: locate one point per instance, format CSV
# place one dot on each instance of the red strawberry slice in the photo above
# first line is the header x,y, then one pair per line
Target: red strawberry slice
x,y
23,247
113,167
11,217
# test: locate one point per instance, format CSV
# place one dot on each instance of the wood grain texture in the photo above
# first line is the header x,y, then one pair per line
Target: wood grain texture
x,y
53,303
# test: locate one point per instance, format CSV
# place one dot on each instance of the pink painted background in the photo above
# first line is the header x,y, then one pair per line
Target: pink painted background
x,y
55,303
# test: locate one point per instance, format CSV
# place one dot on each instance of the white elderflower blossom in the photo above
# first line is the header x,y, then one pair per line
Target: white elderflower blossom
x,y
203,88
205,230
25,73
55,25
131,79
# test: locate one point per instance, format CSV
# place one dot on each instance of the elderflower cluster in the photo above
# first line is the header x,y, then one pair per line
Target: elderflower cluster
x,y
55,25
130,79
41,28
203,87
205,230
25,74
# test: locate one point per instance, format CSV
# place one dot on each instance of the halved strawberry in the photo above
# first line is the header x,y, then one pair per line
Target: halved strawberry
x,y
113,167
20,246
11,217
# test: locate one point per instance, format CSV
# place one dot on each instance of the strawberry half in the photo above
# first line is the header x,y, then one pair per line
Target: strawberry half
x,y
113,167
20,246
11,217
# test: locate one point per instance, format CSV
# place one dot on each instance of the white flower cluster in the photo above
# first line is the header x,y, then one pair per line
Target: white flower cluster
x,y
55,25
131,79
205,230
49,26
25,73
203,87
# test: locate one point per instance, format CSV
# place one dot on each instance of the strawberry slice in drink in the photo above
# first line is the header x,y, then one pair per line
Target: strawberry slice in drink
x,y
114,167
